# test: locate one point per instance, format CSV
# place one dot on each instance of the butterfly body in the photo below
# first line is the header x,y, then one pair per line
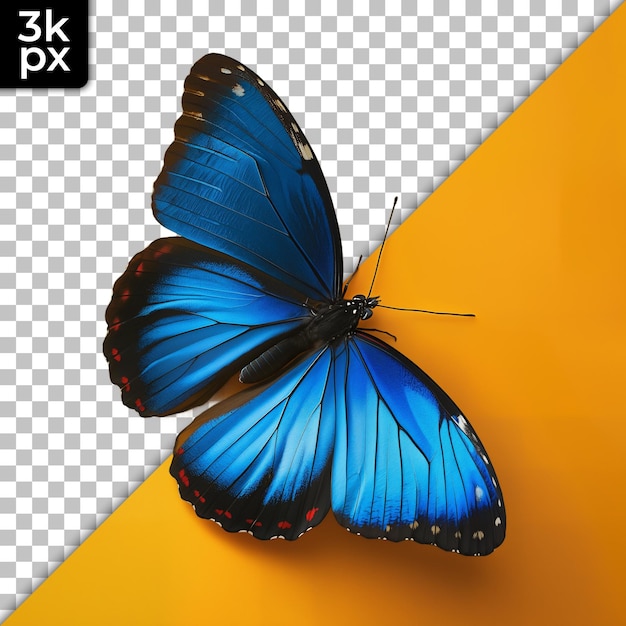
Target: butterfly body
x,y
331,417
327,323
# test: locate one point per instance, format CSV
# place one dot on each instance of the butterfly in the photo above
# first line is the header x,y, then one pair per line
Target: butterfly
x,y
330,416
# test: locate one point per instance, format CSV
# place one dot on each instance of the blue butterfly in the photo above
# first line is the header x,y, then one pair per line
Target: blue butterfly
x,y
331,416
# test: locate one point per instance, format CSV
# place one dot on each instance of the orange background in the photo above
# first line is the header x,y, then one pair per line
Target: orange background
x,y
529,234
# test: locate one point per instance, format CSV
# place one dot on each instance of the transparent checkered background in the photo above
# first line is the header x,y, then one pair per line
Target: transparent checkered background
x,y
392,101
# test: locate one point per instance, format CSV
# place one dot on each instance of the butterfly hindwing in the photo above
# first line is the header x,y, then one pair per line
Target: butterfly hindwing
x,y
407,464
184,318
260,460
241,178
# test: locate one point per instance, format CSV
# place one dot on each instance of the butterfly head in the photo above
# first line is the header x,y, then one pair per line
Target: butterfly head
x,y
362,305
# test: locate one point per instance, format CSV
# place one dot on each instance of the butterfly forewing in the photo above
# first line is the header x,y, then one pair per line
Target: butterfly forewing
x,y
241,178
407,464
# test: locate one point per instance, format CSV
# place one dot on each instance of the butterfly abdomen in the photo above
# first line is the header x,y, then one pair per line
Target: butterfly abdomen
x,y
275,358
334,320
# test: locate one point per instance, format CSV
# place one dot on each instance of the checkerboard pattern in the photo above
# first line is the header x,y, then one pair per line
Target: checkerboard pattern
x,y
392,102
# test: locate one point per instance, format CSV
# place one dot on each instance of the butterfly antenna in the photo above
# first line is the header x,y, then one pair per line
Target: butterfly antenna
x,y
398,308
380,251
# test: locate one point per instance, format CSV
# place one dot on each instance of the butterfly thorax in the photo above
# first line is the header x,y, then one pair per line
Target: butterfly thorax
x,y
327,323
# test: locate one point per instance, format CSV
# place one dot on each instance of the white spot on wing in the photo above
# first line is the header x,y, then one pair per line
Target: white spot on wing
x,y
498,521
305,150
238,90
478,492
479,534
300,142
462,422
225,70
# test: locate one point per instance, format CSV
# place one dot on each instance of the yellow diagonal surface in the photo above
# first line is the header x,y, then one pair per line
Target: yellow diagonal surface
x,y
529,234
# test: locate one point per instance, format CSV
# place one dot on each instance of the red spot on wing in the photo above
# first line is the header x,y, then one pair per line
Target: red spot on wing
x,y
124,381
139,404
125,294
139,269
183,477
228,514
284,524
251,522
219,511
201,499
115,324
163,250
179,451
311,513
115,353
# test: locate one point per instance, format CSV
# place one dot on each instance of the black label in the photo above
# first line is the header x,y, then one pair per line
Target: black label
x,y
43,44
